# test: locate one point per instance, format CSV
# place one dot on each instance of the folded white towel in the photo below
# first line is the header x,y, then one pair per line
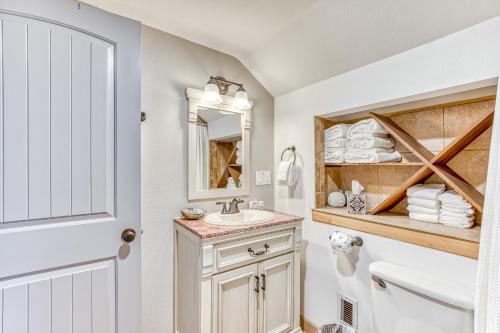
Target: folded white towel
x,y
455,222
334,155
457,216
422,210
336,143
424,217
451,205
371,156
424,202
463,211
239,160
368,141
426,191
452,197
337,131
366,126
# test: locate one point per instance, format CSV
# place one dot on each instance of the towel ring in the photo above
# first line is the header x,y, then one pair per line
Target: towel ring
x,y
292,149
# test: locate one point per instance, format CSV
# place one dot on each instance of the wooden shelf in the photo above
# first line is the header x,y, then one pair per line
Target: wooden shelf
x,y
435,163
464,242
402,164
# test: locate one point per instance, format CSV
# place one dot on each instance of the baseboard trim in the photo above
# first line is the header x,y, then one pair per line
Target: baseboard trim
x,y
307,325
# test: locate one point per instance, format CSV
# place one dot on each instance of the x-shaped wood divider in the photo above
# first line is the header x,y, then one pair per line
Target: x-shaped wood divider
x,y
435,163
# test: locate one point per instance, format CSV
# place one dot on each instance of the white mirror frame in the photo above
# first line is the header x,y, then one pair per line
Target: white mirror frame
x,y
194,97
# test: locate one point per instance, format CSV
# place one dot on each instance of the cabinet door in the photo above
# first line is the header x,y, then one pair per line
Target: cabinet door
x,y
276,277
235,297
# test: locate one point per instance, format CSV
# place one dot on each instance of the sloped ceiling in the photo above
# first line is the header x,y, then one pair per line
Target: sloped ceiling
x,y
288,44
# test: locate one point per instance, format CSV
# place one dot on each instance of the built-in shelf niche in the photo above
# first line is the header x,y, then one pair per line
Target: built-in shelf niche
x,y
446,143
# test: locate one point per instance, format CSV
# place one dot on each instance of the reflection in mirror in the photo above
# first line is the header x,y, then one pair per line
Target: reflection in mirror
x,y
219,149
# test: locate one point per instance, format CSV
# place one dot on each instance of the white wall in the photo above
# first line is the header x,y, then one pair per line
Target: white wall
x,y
169,65
224,127
465,60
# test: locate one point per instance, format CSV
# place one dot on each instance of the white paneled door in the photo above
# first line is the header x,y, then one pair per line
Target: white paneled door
x,y
69,169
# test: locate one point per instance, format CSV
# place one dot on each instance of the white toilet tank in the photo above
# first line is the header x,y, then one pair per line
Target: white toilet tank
x,y
416,302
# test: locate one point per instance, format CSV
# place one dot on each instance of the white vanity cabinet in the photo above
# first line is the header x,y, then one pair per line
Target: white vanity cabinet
x,y
246,282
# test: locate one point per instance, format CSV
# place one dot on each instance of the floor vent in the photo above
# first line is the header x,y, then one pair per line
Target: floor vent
x,y
347,310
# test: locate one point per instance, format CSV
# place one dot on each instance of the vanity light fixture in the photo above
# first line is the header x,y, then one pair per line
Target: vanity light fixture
x,y
219,85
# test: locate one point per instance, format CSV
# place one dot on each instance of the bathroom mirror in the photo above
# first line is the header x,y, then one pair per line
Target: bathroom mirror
x,y
218,148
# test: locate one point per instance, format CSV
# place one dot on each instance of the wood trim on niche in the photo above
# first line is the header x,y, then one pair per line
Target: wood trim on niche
x,y
437,242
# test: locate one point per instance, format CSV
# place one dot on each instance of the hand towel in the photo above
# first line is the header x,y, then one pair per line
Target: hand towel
x,y
368,141
423,210
291,177
424,202
366,126
283,170
426,191
337,131
334,155
424,217
336,143
371,156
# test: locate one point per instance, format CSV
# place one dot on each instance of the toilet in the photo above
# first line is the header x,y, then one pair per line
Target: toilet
x,y
409,301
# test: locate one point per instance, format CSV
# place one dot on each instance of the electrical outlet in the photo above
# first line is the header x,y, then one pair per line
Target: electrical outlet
x,y
263,177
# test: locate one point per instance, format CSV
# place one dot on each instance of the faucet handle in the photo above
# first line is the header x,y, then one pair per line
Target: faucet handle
x,y
224,208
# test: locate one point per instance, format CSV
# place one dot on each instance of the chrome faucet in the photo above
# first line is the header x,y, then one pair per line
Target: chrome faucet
x,y
233,206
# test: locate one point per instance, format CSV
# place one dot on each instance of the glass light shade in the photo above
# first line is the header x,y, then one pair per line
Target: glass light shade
x,y
241,100
211,94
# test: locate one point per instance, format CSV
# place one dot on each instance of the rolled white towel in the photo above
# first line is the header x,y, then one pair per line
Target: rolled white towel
x,y
366,126
424,217
422,210
424,202
371,156
337,131
239,145
336,143
368,141
239,160
426,191
238,153
334,155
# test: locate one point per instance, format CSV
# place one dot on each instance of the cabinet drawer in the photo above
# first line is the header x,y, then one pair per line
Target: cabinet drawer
x,y
241,252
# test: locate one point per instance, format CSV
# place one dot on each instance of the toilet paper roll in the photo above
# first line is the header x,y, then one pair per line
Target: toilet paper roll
x,y
341,242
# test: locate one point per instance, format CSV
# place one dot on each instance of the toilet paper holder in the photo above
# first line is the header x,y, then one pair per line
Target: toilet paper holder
x,y
356,240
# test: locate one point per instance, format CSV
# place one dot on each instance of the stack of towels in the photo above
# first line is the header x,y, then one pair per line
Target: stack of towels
x,y
239,156
455,211
423,203
335,143
368,142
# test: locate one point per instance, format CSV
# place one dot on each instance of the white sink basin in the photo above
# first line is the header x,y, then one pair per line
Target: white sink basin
x,y
244,217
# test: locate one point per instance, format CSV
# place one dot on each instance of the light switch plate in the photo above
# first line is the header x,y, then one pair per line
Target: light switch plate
x,y
263,177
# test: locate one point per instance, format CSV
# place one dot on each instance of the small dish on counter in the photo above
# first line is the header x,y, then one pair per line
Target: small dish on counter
x,y
193,213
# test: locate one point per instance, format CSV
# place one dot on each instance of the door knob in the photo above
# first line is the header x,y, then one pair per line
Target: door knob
x,y
128,235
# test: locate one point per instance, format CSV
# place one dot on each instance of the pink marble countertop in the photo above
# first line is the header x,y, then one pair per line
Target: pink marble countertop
x,y
205,230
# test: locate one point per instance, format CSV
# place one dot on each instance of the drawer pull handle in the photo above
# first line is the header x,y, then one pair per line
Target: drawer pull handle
x,y
258,253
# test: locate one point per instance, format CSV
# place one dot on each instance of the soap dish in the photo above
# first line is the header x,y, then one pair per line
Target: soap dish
x,y
192,213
